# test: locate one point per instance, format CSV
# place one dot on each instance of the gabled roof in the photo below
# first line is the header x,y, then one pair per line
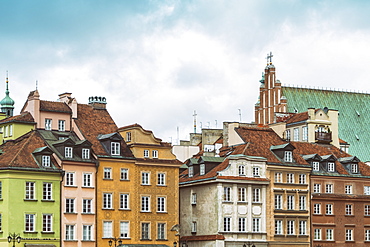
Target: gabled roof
x,y
54,106
24,117
351,159
299,117
353,109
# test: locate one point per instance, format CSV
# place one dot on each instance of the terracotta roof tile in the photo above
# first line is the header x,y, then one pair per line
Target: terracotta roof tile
x,y
298,117
54,106
24,117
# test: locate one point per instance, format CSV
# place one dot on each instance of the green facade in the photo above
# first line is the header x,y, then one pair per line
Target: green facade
x,y
353,109
14,206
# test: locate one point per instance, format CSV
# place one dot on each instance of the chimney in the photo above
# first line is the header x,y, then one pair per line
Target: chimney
x,y
64,97
98,102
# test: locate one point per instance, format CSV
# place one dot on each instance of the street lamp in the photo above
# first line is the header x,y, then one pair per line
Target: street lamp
x,y
174,244
15,238
110,242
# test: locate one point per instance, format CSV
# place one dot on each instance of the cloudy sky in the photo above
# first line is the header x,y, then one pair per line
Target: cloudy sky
x,y
158,61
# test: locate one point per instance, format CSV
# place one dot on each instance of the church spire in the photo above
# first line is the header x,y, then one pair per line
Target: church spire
x,y
7,104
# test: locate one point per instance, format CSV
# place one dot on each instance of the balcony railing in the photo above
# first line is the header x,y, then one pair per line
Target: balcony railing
x,y
323,137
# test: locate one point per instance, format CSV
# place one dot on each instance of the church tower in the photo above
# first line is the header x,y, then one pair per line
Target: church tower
x,y
7,104
270,99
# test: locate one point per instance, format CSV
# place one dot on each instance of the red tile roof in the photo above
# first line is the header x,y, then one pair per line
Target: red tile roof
x,y
24,117
54,106
298,117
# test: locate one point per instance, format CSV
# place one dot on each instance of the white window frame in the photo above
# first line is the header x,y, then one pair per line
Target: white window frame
x,y
302,227
227,224
70,232
124,229
278,201
296,134
30,221
68,152
145,178
348,209
124,174
256,225
302,202
316,166
242,194
87,205
349,234
316,208
115,148
61,125
288,156
85,153
329,209
161,231
366,190
331,167
47,223
155,154
290,227
70,179
290,178
30,192
290,202
191,172
70,205
329,188
256,197
241,170
316,188
354,168
278,227
161,204
48,123
146,153
87,180
107,229
278,177
304,133
87,232
124,201
348,189
161,178
46,161
193,199
47,191
107,201
107,173
329,234
145,231
145,203
317,234
302,178
367,210
128,136
202,169
227,194
367,235
256,171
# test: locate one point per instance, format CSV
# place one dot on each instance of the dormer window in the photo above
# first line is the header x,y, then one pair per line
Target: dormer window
x,y
128,136
115,148
287,134
241,170
61,125
68,152
191,171
202,169
48,124
288,156
315,166
46,160
85,153
354,168
331,167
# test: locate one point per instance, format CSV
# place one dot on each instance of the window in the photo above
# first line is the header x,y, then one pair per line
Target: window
x,y
302,227
10,129
155,154
107,201
46,160
85,153
47,191
128,136
241,169
68,152
191,171
278,177
1,222
296,134
193,226
304,133
366,190
256,224
145,204
329,209
47,222
107,229
161,204
1,190
124,174
367,235
30,223
290,178
256,171
348,189
70,232
70,179
256,195
367,210
329,234
290,227
316,188
331,167
161,178
349,235
107,173
145,228
6,131
146,153
278,227
227,194
70,205
161,231
193,198
302,178
354,168
124,201
86,206
348,209
317,208
115,148
287,134
47,124
124,229
87,180
288,156
302,202
61,125
241,224
227,224
242,194
145,178
86,232
315,166
317,234
30,191
202,169
290,202
278,201
329,188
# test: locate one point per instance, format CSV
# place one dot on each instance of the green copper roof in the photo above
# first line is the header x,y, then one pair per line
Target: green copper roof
x,y
353,109
7,101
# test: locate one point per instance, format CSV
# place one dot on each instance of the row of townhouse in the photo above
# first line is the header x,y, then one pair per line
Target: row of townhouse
x,y
70,177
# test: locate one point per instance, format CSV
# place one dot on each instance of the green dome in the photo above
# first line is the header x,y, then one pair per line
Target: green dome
x,y
7,101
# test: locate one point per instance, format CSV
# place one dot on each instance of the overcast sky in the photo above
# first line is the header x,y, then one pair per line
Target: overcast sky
x,y
158,61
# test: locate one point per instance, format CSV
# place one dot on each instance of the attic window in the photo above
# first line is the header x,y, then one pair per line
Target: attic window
x,y
128,136
331,167
241,169
115,148
288,156
46,160
354,168
85,153
191,171
315,166
68,152
202,169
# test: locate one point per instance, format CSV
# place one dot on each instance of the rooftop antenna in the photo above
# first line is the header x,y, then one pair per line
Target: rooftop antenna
x,y
240,115
201,126
37,84
178,138
216,123
195,121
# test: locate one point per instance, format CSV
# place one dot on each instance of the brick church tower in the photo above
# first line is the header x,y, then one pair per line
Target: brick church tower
x,y
270,99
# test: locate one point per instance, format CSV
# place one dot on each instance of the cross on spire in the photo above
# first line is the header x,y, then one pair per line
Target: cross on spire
x,y
269,56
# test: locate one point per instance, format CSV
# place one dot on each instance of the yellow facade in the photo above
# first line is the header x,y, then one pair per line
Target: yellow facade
x,y
13,130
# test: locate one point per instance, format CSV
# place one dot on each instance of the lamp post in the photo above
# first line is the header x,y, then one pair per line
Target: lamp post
x,y
174,244
115,240
15,238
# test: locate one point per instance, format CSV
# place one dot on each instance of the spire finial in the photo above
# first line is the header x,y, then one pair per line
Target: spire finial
x,y
269,57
